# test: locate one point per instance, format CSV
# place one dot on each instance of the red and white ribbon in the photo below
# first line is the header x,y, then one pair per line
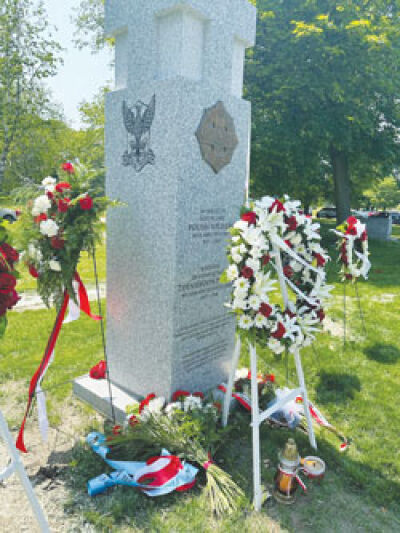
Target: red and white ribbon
x,y
35,387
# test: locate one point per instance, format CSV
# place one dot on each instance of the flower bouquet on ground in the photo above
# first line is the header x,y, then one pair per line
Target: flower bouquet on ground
x,y
60,222
189,427
8,277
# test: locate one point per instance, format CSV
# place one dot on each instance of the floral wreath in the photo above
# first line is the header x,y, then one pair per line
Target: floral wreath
x,y
273,239
353,249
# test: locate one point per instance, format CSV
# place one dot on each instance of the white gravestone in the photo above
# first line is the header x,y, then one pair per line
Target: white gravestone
x,y
179,82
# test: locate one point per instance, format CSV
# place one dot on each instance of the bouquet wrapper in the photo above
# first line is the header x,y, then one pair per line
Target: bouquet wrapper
x,y
156,477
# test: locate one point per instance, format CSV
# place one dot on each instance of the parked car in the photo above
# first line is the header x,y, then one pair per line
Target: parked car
x,y
9,214
326,212
395,217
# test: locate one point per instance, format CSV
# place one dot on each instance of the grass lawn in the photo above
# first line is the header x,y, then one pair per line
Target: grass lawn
x,y
357,388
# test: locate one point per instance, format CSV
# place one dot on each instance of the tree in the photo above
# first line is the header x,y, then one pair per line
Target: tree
x,y
324,81
89,21
384,194
28,55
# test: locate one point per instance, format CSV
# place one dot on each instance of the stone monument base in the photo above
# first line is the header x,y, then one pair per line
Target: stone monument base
x,y
95,392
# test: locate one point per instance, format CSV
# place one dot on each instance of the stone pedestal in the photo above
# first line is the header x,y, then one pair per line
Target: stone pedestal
x,y
177,141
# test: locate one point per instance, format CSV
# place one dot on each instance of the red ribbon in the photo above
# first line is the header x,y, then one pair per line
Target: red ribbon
x,y
42,367
85,307
237,397
164,475
84,303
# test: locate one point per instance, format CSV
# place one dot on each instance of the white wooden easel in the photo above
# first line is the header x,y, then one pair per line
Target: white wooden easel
x,y
257,417
17,467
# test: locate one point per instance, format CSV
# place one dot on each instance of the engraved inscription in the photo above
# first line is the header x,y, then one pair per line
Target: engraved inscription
x,y
217,137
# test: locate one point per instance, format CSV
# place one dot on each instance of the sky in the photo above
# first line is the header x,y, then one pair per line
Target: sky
x,y
83,73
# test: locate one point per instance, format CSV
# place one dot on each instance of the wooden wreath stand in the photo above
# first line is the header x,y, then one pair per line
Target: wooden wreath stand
x,y
257,417
17,467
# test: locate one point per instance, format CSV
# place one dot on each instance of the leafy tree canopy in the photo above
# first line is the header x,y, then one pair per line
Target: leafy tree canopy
x,y
323,79
28,55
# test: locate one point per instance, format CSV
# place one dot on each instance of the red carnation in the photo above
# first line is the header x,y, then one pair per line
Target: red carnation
x,y
33,272
99,371
60,187
288,271
268,377
351,230
57,243
40,218
86,203
50,195
320,260
352,221
179,394
63,205
68,167
9,253
146,402
291,223
249,217
280,331
266,259
133,421
247,272
117,430
265,310
277,206
199,395
7,282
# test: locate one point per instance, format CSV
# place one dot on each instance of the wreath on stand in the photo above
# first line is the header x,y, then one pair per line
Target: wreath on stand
x,y
62,220
353,249
275,238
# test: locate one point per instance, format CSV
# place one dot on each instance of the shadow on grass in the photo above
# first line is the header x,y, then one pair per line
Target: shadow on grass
x,y
334,387
387,354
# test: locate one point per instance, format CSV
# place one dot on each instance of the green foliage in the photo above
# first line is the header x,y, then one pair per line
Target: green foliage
x,y
324,90
384,194
89,20
28,55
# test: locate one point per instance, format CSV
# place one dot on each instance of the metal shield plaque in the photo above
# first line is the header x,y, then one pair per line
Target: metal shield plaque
x,y
217,137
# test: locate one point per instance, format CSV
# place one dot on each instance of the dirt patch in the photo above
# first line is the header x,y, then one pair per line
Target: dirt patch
x,y
45,464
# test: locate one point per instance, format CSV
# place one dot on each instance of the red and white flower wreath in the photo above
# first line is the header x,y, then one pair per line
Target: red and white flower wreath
x,y
267,226
353,249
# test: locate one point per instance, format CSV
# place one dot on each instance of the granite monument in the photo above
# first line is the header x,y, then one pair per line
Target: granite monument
x,y
177,149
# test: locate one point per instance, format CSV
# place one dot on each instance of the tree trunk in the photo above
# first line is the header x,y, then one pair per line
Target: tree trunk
x,y
3,162
340,166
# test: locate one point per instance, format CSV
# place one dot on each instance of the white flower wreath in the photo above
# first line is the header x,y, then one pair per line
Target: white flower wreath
x,y
275,239
353,249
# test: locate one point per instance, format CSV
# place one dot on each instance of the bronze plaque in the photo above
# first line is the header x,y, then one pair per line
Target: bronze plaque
x,y
217,137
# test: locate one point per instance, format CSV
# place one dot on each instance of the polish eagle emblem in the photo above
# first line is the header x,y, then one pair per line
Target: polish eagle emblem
x,y
138,120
